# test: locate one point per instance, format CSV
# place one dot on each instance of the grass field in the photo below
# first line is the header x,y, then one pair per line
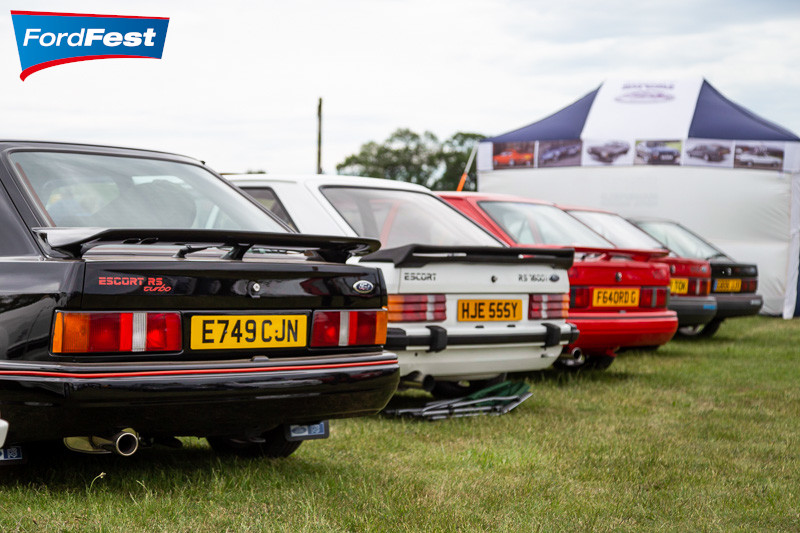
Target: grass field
x,y
698,436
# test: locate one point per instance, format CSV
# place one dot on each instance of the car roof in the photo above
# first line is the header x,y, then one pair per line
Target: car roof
x,y
10,144
326,179
492,197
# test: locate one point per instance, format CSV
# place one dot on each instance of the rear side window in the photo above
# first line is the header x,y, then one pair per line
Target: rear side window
x,y
267,197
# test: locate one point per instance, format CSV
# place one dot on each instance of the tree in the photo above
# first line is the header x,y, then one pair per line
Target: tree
x,y
409,156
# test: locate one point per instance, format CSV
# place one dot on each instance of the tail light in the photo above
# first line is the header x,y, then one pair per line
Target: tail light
x,y
653,297
348,328
417,307
579,297
104,332
749,285
703,287
548,306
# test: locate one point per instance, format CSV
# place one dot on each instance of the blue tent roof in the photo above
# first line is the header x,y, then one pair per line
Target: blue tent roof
x,y
715,117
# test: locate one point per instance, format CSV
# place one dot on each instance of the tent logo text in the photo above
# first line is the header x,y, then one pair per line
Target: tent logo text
x,y
46,39
646,93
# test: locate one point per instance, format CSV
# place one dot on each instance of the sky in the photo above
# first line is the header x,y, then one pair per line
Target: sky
x,y
238,82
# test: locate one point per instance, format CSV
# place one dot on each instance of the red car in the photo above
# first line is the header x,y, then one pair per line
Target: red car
x,y
691,277
509,158
617,298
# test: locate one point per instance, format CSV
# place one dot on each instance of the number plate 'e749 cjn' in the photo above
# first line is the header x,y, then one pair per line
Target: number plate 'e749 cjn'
x,y
241,332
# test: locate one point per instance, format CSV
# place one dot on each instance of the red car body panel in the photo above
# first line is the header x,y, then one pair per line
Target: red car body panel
x,y
602,330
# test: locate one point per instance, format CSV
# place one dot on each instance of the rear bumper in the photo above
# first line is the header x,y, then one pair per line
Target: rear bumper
x,y
601,332
693,310
48,401
731,305
477,355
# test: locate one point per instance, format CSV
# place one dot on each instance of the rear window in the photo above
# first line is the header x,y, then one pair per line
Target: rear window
x,y
617,230
267,197
88,190
541,224
398,218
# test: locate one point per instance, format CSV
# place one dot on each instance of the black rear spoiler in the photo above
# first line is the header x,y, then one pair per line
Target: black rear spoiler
x,y
415,255
74,242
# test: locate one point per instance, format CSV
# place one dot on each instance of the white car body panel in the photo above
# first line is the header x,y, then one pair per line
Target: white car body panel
x,y
312,213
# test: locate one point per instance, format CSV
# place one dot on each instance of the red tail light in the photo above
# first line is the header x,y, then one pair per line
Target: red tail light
x,y
104,332
417,307
749,285
579,297
653,297
348,328
703,287
548,306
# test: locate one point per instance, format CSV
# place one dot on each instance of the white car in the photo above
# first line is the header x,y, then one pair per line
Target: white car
x,y
463,308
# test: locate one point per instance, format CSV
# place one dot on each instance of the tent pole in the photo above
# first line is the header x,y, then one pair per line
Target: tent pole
x,y
466,170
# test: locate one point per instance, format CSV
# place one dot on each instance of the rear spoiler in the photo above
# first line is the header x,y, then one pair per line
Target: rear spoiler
x,y
74,242
415,255
627,253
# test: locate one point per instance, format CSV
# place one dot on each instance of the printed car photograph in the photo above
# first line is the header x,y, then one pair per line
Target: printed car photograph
x,y
658,152
709,152
145,298
559,153
617,298
463,308
508,155
608,152
758,156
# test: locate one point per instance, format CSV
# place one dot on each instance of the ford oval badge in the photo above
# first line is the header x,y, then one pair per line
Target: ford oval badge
x,y
363,286
554,277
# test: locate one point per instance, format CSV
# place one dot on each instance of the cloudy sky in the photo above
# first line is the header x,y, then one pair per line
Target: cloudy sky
x,y
239,81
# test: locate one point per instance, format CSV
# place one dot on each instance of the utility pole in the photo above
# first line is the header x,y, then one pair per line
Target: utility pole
x,y
319,137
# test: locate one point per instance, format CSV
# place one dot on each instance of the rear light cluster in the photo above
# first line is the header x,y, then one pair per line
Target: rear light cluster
x,y
348,328
581,297
699,287
417,307
548,306
96,332
749,285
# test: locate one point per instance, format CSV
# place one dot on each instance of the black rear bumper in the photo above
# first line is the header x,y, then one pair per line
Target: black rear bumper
x,y
693,310
46,401
731,305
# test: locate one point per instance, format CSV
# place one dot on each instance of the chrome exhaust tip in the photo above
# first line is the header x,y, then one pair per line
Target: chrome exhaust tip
x,y
3,432
125,443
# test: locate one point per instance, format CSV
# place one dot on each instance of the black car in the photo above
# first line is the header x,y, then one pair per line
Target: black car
x,y
558,153
733,284
144,298
708,152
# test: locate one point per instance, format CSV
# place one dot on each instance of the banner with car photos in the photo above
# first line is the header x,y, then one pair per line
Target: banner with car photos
x,y
715,153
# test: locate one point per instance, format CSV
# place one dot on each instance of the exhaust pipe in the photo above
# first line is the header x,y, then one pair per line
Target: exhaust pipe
x,y
3,432
124,443
577,354
415,380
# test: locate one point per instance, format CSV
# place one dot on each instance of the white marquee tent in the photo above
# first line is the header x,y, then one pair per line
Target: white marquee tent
x,y
676,150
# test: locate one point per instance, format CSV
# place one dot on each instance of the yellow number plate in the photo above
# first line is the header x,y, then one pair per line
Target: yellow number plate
x,y
615,298
237,332
489,310
727,285
678,285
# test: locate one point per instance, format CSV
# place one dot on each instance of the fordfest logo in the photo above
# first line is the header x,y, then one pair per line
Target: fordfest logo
x,y
48,39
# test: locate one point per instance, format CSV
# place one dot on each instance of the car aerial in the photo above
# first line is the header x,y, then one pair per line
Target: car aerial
x,y
733,284
144,298
758,156
653,152
463,308
609,151
618,300
512,157
708,152
690,277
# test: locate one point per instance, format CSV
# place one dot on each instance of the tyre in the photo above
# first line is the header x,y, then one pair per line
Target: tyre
x,y
447,390
705,331
511,162
273,443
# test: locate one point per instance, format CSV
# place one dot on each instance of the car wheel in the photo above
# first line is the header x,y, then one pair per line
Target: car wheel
x,y
511,162
273,443
457,389
703,330
706,157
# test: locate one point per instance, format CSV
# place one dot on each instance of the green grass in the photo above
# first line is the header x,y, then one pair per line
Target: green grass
x,y
700,435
